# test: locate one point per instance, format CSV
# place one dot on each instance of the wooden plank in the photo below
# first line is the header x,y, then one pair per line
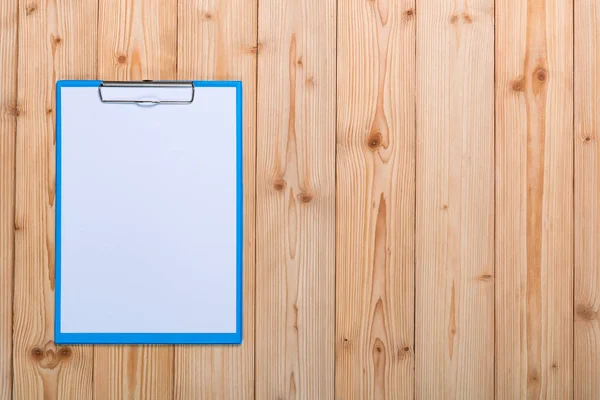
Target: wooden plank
x,y
376,200
55,42
534,199
217,40
295,198
133,372
8,130
587,200
136,40
454,307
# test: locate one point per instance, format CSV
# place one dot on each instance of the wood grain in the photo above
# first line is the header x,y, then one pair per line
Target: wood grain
x,y
217,40
295,188
133,372
136,40
534,199
8,130
454,308
55,42
431,222
375,200
587,200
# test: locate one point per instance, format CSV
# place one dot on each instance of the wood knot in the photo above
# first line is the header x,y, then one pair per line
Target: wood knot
x,y
30,8
468,18
554,365
374,140
64,353
122,59
14,111
48,111
56,40
586,138
378,346
49,357
279,184
37,354
299,62
586,313
310,82
305,197
408,14
17,226
540,74
518,85
486,277
403,353
207,16
453,19
256,49
345,342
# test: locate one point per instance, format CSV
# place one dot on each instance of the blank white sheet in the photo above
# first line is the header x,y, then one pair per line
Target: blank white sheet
x,y
148,214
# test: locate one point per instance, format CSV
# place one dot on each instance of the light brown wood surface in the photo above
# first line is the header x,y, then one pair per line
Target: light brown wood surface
x,y
136,40
217,40
534,199
587,200
54,43
454,292
8,131
375,200
421,196
295,198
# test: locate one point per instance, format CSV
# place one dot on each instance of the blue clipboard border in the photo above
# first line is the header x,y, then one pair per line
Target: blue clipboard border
x,y
153,338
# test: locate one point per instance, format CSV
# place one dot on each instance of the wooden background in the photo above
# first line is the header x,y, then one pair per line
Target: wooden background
x,y
422,195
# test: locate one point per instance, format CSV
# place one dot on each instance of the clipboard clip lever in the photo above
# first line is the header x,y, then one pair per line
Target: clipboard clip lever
x,y
179,92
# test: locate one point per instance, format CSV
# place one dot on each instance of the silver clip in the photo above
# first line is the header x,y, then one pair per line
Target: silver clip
x,y
147,84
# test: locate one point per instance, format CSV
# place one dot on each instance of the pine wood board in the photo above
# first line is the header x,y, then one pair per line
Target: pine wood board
x,y
8,131
534,199
587,200
295,200
454,290
375,200
54,42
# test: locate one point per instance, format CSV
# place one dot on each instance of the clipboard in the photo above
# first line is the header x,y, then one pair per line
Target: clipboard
x,y
149,212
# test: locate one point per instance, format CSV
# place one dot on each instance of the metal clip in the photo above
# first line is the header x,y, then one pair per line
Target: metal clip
x,y
147,84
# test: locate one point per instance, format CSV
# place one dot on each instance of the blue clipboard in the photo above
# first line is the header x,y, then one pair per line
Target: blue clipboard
x,y
72,324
